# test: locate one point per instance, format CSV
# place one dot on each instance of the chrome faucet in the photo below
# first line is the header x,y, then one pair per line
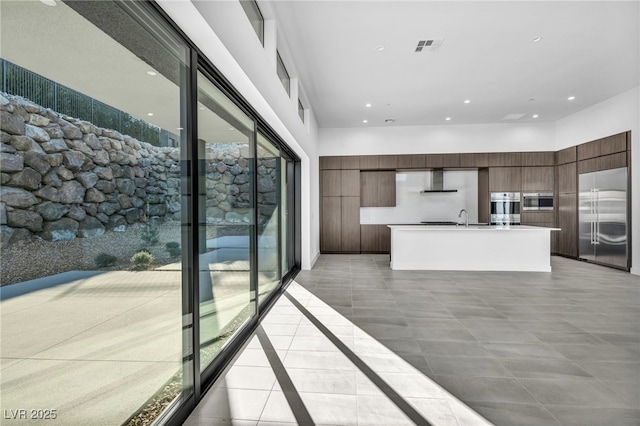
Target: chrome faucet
x,y
466,218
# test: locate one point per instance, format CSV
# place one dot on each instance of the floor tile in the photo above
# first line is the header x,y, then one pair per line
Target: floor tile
x,y
545,368
379,411
467,366
522,350
594,416
323,381
485,389
332,409
515,414
455,349
573,392
435,411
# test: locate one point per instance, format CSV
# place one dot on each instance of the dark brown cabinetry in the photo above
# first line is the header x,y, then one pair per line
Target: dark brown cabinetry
x,y
566,242
505,159
340,231
538,179
375,239
568,223
606,162
378,189
369,162
505,179
542,158
340,183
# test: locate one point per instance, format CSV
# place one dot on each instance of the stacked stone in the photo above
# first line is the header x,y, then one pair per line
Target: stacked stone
x,y
63,178
228,184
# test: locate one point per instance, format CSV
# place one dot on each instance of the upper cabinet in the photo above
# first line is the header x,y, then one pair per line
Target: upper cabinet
x,y
340,183
505,179
538,179
541,158
505,159
378,188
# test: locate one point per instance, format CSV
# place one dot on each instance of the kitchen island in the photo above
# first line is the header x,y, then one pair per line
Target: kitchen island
x,y
473,248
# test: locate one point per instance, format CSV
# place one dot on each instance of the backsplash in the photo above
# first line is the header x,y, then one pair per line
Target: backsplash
x,y
414,207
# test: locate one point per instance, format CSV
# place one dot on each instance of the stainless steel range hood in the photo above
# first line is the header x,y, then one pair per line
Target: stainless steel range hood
x,y
437,182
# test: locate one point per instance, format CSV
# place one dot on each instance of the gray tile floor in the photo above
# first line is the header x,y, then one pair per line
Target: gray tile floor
x,y
519,348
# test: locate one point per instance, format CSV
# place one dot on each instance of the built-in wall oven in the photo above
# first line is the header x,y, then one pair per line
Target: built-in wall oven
x,y
537,201
505,208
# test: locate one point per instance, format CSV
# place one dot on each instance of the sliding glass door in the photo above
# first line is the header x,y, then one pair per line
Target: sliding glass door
x,y
226,218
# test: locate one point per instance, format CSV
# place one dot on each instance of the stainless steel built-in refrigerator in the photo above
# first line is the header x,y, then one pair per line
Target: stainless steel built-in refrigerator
x,y
602,217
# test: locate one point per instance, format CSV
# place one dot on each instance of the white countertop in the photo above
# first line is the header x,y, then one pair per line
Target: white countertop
x,y
410,227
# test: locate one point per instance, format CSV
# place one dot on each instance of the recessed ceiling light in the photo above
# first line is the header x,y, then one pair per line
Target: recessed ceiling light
x,y
231,129
570,98
448,118
536,39
535,116
150,72
365,121
380,48
368,105
389,120
201,108
180,128
532,99
467,101
150,114
49,2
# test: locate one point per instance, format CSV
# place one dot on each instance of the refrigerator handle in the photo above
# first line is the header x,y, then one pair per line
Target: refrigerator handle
x,y
591,216
596,238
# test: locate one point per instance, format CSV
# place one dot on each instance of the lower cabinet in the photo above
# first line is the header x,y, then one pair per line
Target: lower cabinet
x,y
340,227
375,239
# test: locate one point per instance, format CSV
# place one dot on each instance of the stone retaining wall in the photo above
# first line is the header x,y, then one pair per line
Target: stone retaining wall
x,y
63,178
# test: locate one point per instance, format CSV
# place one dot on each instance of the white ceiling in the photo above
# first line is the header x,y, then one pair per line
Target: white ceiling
x,y
588,49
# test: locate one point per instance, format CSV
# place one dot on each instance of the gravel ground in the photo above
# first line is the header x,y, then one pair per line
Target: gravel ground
x,y
43,258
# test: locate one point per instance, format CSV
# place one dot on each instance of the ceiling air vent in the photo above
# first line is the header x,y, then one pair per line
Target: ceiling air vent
x,y
513,116
429,45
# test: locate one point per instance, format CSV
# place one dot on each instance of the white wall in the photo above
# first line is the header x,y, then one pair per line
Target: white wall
x,y
618,114
437,139
236,52
415,207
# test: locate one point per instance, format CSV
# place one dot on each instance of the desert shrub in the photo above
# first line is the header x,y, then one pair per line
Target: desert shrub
x,y
173,248
142,259
103,260
150,234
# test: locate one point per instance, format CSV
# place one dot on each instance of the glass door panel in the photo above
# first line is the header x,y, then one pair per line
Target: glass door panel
x,y
226,219
268,168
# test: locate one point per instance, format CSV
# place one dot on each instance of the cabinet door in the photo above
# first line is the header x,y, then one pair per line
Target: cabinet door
x,y
384,239
505,159
369,241
368,189
433,160
350,182
568,224
537,179
540,158
567,155
331,181
386,187
388,162
567,178
330,163
369,162
505,179
350,225
350,163
331,235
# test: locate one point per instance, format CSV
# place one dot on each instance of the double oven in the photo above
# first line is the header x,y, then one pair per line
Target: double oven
x,y
505,208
